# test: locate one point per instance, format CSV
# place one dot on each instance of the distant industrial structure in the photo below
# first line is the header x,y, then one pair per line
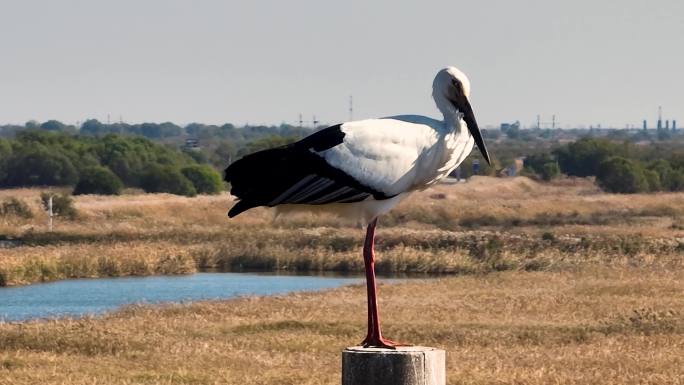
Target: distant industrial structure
x,y
552,124
314,121
662,124
659,122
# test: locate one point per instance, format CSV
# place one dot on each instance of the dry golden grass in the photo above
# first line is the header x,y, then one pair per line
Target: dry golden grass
x,y
483,225
594,326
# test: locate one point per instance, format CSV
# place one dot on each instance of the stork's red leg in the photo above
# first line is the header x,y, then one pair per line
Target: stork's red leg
x,y
374,336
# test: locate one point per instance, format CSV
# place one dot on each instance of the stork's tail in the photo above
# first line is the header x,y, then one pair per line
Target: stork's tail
x,y
259,179
253,177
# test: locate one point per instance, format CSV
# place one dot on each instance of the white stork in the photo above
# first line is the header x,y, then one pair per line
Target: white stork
x,y
362,169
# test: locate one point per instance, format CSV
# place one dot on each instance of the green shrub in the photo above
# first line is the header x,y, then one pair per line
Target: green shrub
x,y
653,180
550,171
669,177
265,142
204,178
5,154
62,205
583,157
198,156
167,179
675,180
98,180
620,175
15,207
537,161
662,167
38,166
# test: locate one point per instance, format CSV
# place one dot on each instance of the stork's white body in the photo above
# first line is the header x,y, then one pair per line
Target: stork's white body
x,y
396,155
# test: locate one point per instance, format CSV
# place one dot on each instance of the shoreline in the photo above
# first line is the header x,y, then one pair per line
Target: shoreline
x,y
400,251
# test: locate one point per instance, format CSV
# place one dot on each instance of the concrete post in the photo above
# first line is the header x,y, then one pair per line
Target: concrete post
x,y
407,365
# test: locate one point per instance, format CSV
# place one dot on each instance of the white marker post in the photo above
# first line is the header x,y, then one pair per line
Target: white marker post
x,y
50,214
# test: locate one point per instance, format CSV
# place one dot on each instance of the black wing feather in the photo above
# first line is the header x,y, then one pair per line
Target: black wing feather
x,y
294,174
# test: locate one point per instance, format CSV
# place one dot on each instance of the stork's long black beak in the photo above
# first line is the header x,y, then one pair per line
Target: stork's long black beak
x,y
464,107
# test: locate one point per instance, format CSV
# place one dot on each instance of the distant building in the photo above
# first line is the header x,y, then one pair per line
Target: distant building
x,y
476,166
510,126
674,125
191,144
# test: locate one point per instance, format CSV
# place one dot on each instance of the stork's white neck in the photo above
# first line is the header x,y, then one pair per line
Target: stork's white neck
x,y
452,117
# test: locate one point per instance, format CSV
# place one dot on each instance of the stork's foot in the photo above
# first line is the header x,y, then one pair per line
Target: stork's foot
x,y
379,342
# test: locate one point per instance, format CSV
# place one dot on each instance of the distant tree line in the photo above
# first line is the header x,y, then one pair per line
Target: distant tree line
x,y
219,144
102,165
103,158
620,167
94,127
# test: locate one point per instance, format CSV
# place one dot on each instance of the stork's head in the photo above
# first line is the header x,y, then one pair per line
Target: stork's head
x,y
453,86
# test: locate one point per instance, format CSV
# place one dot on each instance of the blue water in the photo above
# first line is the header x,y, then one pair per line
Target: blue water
x,y
94,296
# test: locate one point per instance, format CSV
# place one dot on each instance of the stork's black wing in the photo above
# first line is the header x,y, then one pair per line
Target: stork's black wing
x,y
294,174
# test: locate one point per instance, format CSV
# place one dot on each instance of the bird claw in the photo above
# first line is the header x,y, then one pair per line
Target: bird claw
x,y
383,343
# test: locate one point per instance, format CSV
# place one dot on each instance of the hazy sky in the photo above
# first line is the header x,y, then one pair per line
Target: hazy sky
x,y
587,61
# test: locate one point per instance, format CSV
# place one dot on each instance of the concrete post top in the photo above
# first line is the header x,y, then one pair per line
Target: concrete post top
x,y
398,350
407,365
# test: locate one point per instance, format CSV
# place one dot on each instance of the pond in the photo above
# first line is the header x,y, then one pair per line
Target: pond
x,y
94,296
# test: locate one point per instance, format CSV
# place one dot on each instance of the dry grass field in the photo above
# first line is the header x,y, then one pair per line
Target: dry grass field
x,y
544,284
480,226
594,326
